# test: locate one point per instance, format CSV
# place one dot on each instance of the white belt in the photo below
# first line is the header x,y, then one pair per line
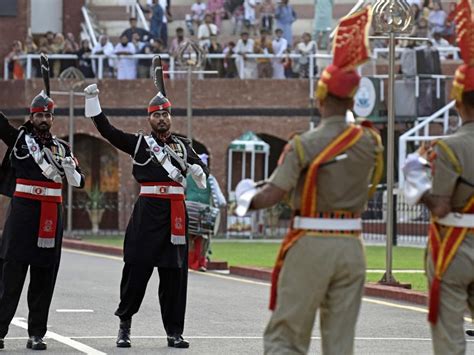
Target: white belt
x,y
347,224
162,190
38,190
464,220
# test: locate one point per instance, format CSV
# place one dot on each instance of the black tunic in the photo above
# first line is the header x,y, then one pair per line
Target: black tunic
x,y
148,235
20,233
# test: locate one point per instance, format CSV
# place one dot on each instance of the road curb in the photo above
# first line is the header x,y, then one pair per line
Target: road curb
x,y
265,274
371,289
95,248
117,251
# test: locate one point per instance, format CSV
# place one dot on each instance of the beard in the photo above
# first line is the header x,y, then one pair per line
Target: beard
x,y
42,127
161,127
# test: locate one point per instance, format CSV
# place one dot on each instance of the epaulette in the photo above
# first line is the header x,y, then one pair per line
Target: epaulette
x,y
62,141
182,139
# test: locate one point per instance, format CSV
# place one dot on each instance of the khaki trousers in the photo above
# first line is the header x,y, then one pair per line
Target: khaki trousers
x,y
325,273
457,295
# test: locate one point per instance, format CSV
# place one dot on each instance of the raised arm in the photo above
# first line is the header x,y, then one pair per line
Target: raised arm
x,y
8,133
126,142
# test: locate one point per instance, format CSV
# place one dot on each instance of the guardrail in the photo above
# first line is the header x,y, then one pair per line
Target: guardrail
x,y
88,24
376,52
98,62
420,132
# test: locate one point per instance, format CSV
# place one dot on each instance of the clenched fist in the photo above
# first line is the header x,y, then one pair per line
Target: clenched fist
x,y
92,105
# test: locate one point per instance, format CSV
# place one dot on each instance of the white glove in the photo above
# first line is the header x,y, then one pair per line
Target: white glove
x,y
72,176
244,193
198,175
417,173
92,105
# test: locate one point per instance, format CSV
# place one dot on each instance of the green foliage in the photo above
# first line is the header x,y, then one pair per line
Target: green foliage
x,y
96,198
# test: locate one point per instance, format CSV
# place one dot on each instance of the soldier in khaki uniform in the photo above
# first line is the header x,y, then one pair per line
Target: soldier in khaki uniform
x,y
450,197
328,174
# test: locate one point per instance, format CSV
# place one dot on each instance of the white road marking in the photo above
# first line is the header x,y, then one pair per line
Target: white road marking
x,y
402,306
20,322
261,283
252,337
75,310
398,271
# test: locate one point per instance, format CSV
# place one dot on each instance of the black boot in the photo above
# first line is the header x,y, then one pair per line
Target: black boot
x,y
123,338
1,343
177,341
36,343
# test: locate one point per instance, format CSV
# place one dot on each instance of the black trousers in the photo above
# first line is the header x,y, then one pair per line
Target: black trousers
x,y
40,294
172,293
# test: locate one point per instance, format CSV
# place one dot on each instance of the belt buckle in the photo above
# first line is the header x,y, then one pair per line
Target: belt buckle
x,y
38,190
162,189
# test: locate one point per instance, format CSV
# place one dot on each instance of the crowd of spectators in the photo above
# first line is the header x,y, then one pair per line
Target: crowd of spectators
x,y
264,27
434,22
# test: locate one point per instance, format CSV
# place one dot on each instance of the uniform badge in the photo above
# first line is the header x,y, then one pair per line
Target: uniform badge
x,y
178,223
48,225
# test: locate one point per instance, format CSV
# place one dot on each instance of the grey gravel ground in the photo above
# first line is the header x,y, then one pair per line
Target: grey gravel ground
x,y
225,315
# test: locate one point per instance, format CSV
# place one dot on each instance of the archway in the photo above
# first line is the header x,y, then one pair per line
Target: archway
x,y
99,162
276,147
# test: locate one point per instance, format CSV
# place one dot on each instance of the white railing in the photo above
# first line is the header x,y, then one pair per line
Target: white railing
x,y
141,16
420,132
454,51
89,27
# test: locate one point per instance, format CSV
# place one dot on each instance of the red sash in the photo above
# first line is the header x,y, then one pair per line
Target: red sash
x,y
178,212
49,210
443,252
309,198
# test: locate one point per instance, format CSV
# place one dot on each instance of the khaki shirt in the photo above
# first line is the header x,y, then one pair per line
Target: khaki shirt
x,y
448,175
343,185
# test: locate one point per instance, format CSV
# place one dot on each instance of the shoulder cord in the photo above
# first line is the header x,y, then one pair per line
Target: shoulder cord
x,y
137,147
14,150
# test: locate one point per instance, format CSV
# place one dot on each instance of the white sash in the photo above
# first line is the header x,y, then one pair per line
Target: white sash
x,y
48,169
163,158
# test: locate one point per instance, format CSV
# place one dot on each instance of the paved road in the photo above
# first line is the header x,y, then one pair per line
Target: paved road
x,y
225,316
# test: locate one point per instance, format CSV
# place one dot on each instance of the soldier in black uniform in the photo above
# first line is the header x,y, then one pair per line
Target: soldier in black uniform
x,y
156,234
32,171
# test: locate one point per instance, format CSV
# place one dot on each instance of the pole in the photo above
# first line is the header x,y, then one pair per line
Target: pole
x,y
388,277
71,144
189,112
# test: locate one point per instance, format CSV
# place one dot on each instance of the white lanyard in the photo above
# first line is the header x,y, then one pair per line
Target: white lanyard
x,y
163,158
48,169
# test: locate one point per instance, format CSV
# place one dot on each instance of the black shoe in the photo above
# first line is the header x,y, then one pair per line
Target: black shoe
x,y
123,338
470,332
177,341
36,343
1,343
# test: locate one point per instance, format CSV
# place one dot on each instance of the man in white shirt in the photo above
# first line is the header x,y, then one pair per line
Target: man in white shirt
x,y
245,66
279,44
306,48
126,67
205,31
104,46
198,10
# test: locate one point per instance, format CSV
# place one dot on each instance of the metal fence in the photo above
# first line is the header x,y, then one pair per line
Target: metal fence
x,y
270,224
